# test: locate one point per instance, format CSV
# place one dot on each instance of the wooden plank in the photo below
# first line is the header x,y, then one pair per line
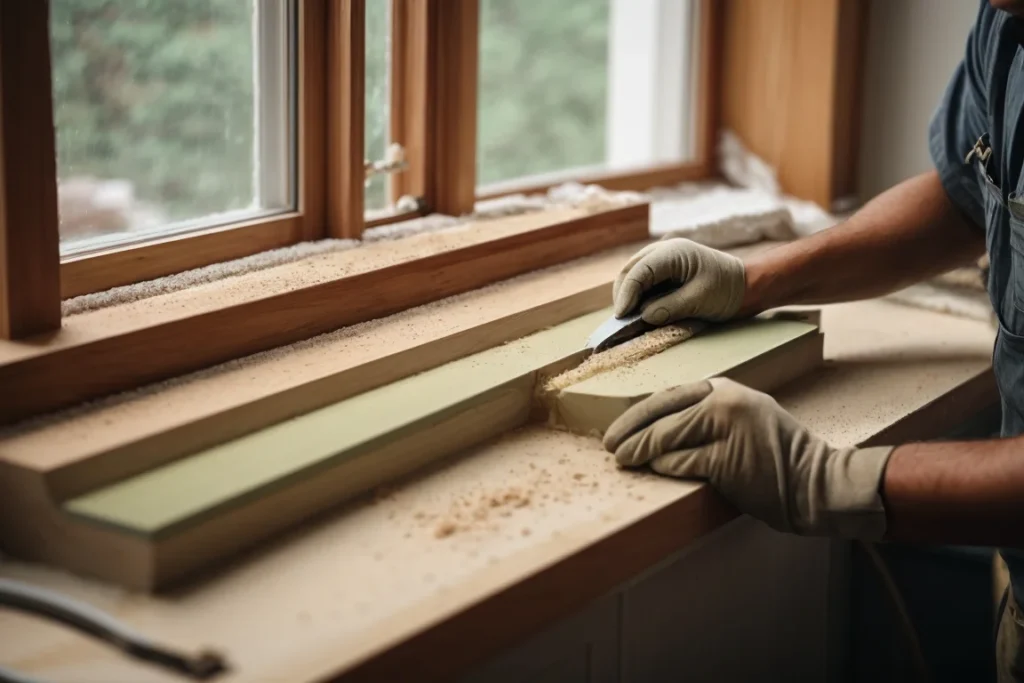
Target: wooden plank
x,y
128,265
787,68
326,456
93,448
762,354
346,88
40,378
408,600
29,223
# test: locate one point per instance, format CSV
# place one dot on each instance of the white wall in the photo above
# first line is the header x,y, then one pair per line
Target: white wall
x,y
913,47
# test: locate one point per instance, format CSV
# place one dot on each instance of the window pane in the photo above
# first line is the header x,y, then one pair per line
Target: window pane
x,y
543,86
378,84
170,116
583,85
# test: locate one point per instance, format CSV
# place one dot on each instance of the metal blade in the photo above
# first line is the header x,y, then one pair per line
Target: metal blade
x,y
614,331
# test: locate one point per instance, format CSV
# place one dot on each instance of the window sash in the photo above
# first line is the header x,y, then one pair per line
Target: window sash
x,y
433,100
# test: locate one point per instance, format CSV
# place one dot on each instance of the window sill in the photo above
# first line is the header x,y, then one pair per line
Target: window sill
x,y
110,350
372,587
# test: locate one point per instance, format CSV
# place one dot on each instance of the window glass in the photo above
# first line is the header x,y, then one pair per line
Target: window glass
x,y
170,116
378,84
583,85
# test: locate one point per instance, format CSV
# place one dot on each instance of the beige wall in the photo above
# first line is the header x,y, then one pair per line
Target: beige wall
x,y
913,47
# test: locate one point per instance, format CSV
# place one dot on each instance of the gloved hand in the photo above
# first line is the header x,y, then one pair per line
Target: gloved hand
x,y
712,289
756,455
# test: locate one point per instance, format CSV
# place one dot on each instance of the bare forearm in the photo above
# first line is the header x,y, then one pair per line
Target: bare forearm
x,y
904,235
966,492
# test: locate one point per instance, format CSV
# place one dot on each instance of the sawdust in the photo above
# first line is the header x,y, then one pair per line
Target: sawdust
x,y
624,355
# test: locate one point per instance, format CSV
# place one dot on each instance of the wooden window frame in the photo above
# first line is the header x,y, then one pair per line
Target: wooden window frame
x,y
434,109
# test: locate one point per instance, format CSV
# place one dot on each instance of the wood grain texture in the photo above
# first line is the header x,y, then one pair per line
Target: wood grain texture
x,y
457,24
790,89
346,91
193,512
128,265
29,222
39,379
122,266
434,101
312,117
707,106
412,108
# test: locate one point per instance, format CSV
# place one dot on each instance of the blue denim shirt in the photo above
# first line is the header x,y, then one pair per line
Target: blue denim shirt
x,y
984,102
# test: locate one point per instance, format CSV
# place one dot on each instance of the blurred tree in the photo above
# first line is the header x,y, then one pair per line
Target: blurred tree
x,y
543,86
159,93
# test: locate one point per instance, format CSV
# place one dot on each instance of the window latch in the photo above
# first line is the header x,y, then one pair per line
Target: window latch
x,y
393,162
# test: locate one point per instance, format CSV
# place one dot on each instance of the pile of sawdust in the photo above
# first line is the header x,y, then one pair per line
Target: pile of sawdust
x,y
624,355
470,513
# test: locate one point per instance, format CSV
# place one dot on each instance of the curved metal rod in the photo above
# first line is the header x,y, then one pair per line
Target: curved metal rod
x,y
101,626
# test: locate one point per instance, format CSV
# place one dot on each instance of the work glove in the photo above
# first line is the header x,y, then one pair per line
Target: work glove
x,y
757,456
712,282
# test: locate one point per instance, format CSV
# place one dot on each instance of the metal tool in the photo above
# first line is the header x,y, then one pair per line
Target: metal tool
x,y
614,331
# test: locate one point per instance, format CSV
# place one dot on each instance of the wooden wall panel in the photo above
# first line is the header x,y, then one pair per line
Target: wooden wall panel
x,y
791,89
29,222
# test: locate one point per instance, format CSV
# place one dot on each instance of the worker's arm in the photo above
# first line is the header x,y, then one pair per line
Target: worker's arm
x,y
905,235
770,466
969,493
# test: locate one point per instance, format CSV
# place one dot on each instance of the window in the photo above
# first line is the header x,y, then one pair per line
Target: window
x,y
193,132
170,116
378,84
583,86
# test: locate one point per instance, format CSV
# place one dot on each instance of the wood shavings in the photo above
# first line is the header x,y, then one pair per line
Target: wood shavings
x,y
623,355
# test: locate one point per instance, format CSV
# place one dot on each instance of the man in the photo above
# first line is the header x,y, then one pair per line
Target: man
x,y
760,457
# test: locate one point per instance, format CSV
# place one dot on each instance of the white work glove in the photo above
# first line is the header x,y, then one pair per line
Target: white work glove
x,y
712,282
757,456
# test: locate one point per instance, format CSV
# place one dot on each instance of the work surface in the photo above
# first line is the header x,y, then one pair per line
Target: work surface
x,y
443,571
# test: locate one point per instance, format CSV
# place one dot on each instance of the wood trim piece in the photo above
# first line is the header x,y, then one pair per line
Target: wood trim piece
x,y
302,466
312,118
761,354
791,89
434,101
455,102
708,102
40,379
635,181
346,117
123,266
29,222
411,105
391,218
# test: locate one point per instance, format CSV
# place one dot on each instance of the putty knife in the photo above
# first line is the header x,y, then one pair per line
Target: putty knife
x,y
614,331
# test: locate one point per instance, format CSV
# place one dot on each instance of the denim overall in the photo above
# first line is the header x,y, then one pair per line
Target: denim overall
x,y
977,145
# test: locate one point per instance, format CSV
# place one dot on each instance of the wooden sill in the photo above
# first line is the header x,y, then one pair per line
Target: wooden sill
x,y
111,350
369,592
